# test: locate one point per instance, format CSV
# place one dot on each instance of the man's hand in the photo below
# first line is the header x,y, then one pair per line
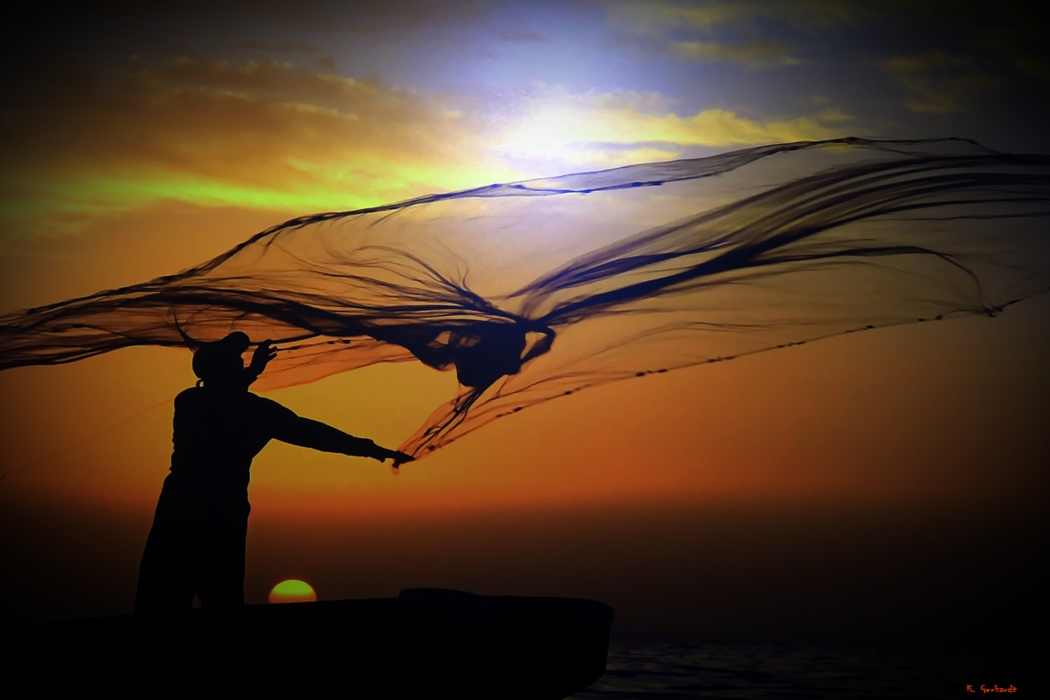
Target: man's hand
x,y
262,356
383,454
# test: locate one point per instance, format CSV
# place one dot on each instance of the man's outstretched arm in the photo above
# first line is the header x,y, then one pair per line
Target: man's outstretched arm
x,y
305,432
296,430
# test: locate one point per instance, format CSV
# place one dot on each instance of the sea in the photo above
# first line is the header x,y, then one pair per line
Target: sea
x,y
672,668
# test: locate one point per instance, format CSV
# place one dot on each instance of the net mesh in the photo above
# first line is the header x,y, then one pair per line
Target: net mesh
x,y
535,290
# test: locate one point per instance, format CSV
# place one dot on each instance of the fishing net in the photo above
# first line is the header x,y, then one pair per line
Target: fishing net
x,y
535,290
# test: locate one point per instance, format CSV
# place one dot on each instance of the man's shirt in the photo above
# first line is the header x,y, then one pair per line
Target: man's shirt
x,y
216,434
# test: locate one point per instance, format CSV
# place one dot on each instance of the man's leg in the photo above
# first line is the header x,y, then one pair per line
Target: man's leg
x,y
220,580
166,573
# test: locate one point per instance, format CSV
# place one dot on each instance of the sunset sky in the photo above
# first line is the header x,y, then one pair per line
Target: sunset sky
x,y
812,489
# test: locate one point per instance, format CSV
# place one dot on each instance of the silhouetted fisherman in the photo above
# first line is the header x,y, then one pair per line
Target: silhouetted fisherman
x,y
197,541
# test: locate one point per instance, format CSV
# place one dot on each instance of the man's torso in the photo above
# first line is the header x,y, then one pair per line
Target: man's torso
x,y
215,436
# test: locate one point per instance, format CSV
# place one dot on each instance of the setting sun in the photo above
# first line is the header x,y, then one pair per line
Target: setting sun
x,y
293,591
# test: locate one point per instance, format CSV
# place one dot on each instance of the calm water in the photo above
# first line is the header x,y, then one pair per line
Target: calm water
x,y
664,668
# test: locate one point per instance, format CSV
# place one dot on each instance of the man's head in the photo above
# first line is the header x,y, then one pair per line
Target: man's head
x,y
219,364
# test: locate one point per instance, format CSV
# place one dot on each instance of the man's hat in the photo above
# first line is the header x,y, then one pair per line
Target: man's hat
x,y
214,359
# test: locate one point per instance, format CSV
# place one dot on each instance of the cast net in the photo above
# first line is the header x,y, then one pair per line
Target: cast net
x,y
535,290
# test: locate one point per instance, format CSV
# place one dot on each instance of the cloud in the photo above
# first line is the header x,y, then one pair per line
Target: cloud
x,y
931,60
277,47
1013,35
732,32
758,54
662,17
323,15
256,134
766,33
298,137
619,126
938,82
709,127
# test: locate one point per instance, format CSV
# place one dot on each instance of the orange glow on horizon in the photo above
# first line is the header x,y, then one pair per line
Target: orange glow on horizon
x,y
902,414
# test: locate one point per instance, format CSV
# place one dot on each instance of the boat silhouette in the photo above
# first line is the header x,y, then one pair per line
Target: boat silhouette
x,y
425,643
